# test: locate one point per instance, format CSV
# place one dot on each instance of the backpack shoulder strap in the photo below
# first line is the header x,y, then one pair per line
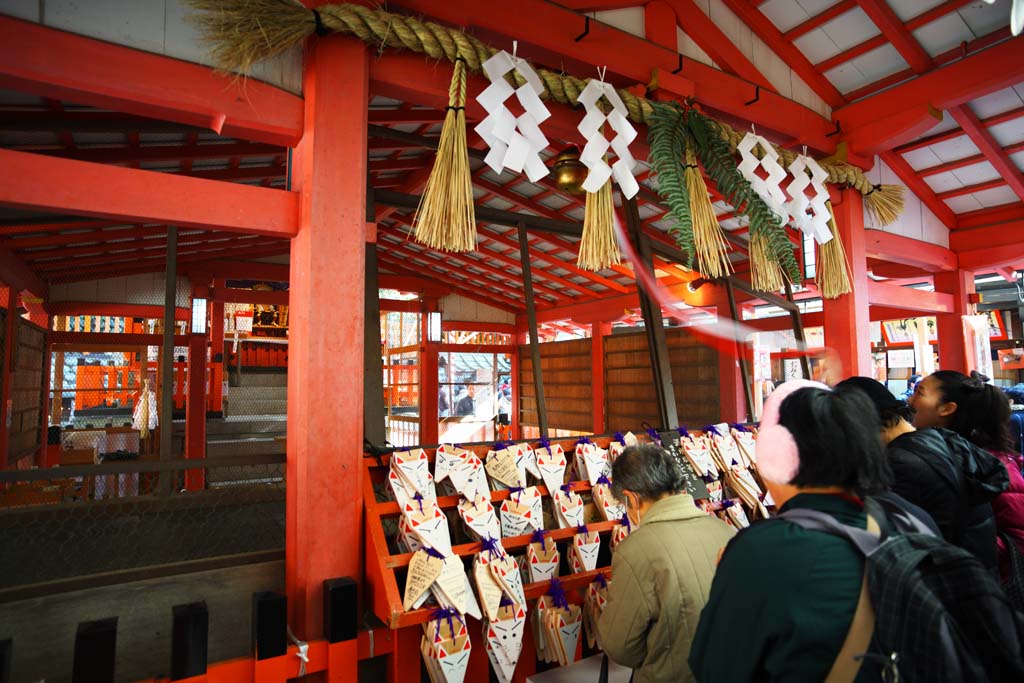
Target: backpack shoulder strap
x,y
815,520
862,627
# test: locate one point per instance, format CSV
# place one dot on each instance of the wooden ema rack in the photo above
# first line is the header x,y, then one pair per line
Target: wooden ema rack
x,y
382,586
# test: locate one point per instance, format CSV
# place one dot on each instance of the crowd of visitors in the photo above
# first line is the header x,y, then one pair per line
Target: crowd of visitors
x,y
894,554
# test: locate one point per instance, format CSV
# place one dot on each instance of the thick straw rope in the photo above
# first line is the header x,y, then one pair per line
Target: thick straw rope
x,y
245,32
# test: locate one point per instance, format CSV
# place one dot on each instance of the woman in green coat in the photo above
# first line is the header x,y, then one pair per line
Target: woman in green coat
x,y
661,573
783,599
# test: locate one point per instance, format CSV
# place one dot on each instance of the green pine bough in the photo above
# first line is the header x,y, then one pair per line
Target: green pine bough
x,y
666,136
669,126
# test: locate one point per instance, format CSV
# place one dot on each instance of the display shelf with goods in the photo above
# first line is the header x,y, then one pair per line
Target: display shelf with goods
x,y
388,562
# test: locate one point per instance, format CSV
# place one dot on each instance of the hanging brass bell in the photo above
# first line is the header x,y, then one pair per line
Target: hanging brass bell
x,y
569,171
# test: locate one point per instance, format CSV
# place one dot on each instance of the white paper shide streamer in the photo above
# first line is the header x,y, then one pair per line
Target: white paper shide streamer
x,y
814,223
766,188
515,143
597,145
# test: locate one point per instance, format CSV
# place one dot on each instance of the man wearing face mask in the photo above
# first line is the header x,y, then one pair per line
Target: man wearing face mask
x,y
662,572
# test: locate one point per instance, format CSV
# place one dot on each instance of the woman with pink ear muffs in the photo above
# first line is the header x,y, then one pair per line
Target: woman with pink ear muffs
x,y
783,597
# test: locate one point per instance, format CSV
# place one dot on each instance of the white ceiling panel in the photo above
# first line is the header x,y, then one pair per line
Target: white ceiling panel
x,y
817,46
964,204
943,34
996,196
850,29
879,63
976,173
1009,132
984,18
943,182
1018,159
954,149
846,78
1020,90
785,14
908,9
922,158
815,7
997,103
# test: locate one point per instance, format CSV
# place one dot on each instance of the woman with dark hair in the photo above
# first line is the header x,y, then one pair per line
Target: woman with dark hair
x,y
661,573
980,413
784,597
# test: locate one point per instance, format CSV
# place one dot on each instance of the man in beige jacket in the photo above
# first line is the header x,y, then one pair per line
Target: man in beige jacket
x,y
662,572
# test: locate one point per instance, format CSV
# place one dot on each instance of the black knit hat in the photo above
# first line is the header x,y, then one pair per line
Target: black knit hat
x,y
883,399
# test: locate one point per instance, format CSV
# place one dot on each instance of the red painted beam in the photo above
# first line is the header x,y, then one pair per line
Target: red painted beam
x,y
132,155
913,24
248,296
1009,234
51,63
48,257
971,189
19,277
923,191
108,262
908,299
125,310
957,132
236,270
713,41
817,20
966,161
991,257
460,286
886,132
896,33
113,338
764,29
992,151
990,216
63,238
979,74
552,31
953,55
408,283
46,183
885,246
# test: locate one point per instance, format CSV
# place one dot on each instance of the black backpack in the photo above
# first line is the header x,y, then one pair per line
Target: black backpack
x,y
939,614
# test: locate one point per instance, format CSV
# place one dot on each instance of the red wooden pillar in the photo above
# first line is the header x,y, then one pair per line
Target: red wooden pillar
x,y
953,353
847,319
326,300
217,349
598,331
429,386
195,411
732,402
8,299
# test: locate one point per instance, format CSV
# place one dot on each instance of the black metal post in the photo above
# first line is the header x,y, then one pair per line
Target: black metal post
x,y
798,332
748,392
531,316
166,408
653,324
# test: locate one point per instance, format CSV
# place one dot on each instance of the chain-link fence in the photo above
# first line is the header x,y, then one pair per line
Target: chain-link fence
x,y
82,520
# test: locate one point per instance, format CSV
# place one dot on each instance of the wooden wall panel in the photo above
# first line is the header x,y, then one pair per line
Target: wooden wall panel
x,y
629,380
27,390
565,369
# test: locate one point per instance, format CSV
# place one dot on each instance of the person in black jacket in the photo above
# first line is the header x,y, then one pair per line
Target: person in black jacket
x,y
953,480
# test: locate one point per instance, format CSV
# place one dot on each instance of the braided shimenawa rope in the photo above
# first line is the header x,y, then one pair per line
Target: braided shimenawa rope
x,y
246,32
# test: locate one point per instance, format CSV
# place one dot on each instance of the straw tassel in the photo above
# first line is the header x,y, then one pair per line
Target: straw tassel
x,y
598,249
446,219
884,203
833,277
709,243
766,275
